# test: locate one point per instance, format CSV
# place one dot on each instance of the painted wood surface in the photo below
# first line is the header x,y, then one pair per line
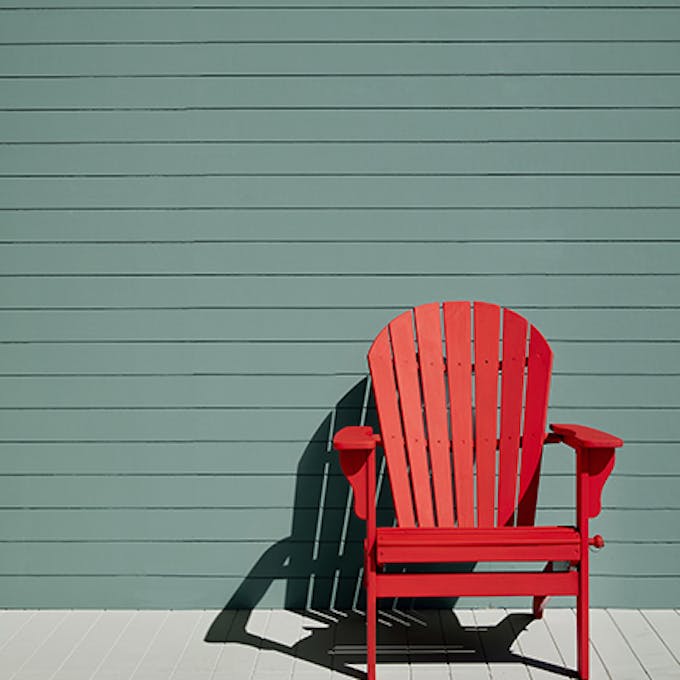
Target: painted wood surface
x,y
207,213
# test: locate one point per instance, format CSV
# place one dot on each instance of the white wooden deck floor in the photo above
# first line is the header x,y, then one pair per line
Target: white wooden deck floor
x,y
278,645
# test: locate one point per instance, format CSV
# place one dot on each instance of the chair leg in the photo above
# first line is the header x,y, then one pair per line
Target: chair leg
x,y
540,601
371,626
582,633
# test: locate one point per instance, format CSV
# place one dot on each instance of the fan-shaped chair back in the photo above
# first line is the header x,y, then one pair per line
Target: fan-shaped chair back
x,y
461,392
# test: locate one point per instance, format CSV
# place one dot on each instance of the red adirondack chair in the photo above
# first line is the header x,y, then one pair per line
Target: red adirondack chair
x,y
464,491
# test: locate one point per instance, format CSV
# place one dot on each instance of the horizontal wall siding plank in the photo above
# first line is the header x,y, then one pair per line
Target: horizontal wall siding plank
x,y
243,491
223,291
605,391
374,91
294,359
623,525
306,324
621,492
269,524
148,492
191,592
344,192
404,259
270,425
636,460
529,225
158,492
310,391
256,458
194,391
165,425
334,25
219,559
248,358
333,58
264,5
198,458
186,158
173,459
194,128
264,524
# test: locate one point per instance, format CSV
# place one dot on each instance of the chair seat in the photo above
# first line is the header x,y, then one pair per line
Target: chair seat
x,y
397,545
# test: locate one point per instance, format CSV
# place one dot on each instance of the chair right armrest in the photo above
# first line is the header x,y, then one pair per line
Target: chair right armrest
x,y
582,437
596,454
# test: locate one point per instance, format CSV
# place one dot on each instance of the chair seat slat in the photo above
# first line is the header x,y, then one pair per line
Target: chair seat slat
x,y
396,545
476,584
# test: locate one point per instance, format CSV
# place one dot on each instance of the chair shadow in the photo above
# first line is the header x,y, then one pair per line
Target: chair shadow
x,y
320,563
336,639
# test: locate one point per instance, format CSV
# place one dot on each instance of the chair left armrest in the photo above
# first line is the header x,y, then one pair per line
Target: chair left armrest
x,y
595,450
356,445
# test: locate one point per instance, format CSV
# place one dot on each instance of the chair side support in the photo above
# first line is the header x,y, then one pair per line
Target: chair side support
x,y
595,457
356,446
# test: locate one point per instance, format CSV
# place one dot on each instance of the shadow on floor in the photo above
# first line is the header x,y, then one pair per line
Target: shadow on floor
x,y
336,640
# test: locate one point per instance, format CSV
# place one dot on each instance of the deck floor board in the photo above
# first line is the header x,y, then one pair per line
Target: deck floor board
x,y
494,644
665,624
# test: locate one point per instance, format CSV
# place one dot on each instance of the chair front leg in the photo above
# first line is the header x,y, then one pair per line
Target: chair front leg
x,y
357,445
371,612
582,599
582,623
371,568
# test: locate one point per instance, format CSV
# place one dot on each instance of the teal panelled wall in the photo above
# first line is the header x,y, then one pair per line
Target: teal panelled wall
x,y
207,213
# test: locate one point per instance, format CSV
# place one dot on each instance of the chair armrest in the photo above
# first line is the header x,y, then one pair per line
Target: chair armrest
x,y
595,452
580,436
355,438
356,446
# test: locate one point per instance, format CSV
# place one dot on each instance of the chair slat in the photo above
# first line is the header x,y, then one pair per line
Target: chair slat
x,y
385,390
459,369
431,360
410,400
535,414
487,331
512,392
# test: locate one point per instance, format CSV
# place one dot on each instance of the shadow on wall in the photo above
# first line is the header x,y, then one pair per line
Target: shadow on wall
x,y
321,561
321,565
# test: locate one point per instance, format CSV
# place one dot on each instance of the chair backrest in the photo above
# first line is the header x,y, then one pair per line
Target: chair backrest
x,y
461,449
